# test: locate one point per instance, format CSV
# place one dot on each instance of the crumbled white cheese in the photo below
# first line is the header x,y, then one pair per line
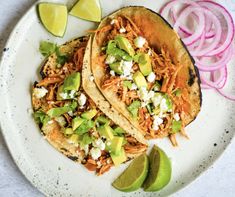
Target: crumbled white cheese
x,y
156,122
108,161
72,93
110,59
91,78
113,21
82,99
61,120
150,52
63,95
122,30
155,127
95,153
163,105
50,122
126,66
156,100
145,96
176,116
108,143
139,42
133,86
99,144
70,113
151,77
40,92
98,164
112,73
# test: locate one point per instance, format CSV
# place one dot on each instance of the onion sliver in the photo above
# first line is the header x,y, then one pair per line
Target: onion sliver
x,y
230,24
197,34
222,60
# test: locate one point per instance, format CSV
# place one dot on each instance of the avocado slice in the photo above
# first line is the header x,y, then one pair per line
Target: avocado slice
x,y
119,131
72,82
116,67
133,108
139,80
68,131
74,139
102,120
88,115
116,145
176,126
59,91
119,158
55,112
76,122
145,64
124,44
106,131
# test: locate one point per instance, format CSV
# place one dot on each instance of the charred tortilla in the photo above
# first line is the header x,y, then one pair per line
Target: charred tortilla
x,y
172,68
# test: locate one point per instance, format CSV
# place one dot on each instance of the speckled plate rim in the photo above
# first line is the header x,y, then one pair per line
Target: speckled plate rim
x,y
11,147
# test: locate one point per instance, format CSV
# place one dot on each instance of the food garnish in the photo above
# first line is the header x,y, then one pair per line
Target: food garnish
x,y
209,39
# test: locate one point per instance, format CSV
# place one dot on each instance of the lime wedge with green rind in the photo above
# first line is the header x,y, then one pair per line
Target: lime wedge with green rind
x,y
53,17
87,9
133,177
159,170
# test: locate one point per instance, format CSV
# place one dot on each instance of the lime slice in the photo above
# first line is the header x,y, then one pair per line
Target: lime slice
x,y
159,170
53,17
87,9
133,177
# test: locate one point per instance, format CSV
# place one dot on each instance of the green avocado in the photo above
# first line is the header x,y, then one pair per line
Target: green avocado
x,y
68,131
59,91
116,67
55,112
74,139
106,131
76,122
72,82
125,45
145,64
139,80
119,158
102,120
88,115
116,145
176,126
133,108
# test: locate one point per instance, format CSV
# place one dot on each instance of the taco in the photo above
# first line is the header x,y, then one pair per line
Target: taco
x,y
144,70
71,121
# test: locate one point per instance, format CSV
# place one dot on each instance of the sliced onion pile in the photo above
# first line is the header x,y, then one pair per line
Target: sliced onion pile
x,y
209,38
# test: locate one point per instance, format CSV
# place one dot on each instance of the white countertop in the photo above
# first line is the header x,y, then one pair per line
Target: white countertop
x,y
219,180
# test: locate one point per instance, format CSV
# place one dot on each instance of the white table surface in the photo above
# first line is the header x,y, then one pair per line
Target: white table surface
x,y
219,180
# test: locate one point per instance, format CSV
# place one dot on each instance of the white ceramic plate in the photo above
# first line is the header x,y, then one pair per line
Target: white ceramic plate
x,y
51,172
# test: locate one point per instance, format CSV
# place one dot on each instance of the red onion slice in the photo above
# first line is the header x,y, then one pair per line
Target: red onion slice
x,y
230,24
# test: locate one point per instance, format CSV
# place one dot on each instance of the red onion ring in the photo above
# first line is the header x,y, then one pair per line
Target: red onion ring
x,y
230,25
197,34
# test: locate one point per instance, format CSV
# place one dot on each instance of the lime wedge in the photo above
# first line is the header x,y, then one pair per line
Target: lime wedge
x,y
87,9
159,170
53,17
133,177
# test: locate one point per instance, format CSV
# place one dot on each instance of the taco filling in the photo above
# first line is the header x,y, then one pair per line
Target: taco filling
x,y
153,88
69,118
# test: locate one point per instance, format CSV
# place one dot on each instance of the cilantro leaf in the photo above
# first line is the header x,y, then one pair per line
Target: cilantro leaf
x,y
47,48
